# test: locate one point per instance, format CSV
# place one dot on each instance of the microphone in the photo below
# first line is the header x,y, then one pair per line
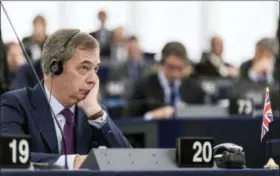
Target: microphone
x,y
45,95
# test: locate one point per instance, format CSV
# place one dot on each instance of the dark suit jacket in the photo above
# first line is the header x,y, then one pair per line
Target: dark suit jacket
x,y
206,68
148,95
24,111
25,77
246,66
27,42
4,70
105,51
121,71
120,74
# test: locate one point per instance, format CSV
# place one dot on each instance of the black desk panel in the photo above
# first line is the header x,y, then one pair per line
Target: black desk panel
x,y
241,131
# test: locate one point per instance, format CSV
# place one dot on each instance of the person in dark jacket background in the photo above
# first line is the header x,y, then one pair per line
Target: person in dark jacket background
x,y
264,67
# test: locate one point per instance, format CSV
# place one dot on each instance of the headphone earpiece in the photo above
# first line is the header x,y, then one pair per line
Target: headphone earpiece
x,y
56,67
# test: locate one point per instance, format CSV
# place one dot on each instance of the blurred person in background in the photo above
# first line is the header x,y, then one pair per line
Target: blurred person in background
x,y
123,76
126,73
34,43
263,68
157,95
4,69
135,67
15,58
103,35
213,64
118,45
24,76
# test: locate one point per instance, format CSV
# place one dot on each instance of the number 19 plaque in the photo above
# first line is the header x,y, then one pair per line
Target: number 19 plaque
x,y
14,151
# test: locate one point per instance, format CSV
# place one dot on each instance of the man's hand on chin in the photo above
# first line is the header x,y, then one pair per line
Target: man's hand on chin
x,y
79,161
90,104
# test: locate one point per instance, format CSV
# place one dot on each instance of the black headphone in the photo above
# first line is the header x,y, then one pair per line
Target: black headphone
x,y
56,66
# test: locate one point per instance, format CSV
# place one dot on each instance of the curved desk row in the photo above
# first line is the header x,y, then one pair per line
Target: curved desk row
x,y
209,172
241,131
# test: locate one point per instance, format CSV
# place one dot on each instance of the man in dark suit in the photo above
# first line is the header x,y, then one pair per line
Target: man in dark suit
x,y
24,76
135,67
70,61
15,58
264,67
34,43
157,95
123,76
212,64
103,35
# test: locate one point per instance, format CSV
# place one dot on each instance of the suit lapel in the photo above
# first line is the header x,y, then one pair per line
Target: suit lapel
x,y
83,132
155,92
43,118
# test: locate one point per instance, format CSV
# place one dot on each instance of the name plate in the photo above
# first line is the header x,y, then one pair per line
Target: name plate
x,y
14,151
241,106
194,152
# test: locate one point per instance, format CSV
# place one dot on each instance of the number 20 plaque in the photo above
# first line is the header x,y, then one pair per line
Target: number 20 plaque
x,y
194,152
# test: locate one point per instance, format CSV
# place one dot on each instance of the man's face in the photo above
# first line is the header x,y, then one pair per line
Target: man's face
x,y
118,35
217,46
173,68
79,74
39,28
134,50
102,17
15,57
15,50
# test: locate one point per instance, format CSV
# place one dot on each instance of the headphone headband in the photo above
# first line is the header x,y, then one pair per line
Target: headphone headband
x,y
68,41
56,66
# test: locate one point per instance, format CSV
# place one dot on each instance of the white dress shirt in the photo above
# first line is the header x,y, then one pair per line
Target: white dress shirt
x,y
57,108
166,90
103,36
219,64
36,51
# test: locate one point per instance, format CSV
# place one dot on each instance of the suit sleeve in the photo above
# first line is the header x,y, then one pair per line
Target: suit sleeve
x,y
137,101
109,134
244,68
13,122
113,136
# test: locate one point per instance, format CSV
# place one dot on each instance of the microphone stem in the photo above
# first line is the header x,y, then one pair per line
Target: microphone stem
x,y
39,82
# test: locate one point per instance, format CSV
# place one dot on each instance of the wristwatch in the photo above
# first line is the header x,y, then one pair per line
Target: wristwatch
x,y
97,115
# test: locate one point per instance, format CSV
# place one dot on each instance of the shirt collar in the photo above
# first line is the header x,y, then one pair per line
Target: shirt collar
x,y
132,62
55,104
163,80
216,60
